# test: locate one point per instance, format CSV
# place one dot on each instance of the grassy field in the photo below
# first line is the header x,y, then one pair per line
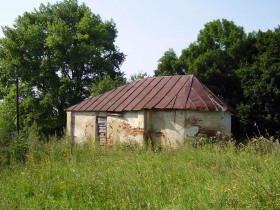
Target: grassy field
x,y
57,175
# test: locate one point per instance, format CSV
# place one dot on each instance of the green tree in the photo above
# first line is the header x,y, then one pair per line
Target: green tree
x,y
260,76
7,120
168,65
106,84
139,75
60,50
243,69
7,127
215,58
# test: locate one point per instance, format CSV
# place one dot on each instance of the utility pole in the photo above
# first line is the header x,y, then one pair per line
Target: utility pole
x,y
17,99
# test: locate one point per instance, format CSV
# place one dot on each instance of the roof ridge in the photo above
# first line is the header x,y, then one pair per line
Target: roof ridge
x,y
176,96
199,83
219,102
188,97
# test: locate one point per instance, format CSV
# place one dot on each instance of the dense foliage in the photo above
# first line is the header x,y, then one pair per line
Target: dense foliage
x,y
260,76
60,51
242,69
168,65
106,84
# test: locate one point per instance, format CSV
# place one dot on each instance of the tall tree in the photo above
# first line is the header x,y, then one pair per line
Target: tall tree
x,y
243,69
168,64
215,57
59,51
260,76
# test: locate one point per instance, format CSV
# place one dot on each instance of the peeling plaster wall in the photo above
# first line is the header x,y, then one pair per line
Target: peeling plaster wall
x,y
126,128
164,128
208,123
170,128
83,126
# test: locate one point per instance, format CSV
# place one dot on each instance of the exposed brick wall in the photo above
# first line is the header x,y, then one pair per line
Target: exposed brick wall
x,y
132,131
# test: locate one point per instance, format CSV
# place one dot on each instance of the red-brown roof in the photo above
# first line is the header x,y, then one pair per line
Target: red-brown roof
x,y
166,92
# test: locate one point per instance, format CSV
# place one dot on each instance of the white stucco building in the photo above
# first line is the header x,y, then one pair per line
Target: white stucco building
x,y
165,110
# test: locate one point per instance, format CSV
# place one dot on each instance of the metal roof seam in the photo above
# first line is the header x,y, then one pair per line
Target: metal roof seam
x,y
168,92
160,90
202,86
217,104
173,101
179,92
122,94
143,106
88,102
83,104
212,97
213,100
106,99
175,94
91,101
102,95
137,82
73,107
188,97
192,103
216,99
146,94
165,92
201,99
114,93
139,94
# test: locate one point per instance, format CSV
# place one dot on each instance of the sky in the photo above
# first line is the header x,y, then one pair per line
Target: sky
x,y
148,28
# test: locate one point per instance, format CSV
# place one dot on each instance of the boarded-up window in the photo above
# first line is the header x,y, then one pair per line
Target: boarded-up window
x,y
102,130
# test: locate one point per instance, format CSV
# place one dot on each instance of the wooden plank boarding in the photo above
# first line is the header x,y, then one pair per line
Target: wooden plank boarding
x,y
101,130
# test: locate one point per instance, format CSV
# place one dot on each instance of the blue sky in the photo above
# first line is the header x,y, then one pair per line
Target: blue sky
x,y
148,28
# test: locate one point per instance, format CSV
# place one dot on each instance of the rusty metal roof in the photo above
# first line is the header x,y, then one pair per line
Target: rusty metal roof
x,y
166,92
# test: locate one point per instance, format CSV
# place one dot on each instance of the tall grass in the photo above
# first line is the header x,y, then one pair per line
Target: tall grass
x,y
59,175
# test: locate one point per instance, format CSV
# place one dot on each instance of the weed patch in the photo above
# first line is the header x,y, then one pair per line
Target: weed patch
x,y
58,174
